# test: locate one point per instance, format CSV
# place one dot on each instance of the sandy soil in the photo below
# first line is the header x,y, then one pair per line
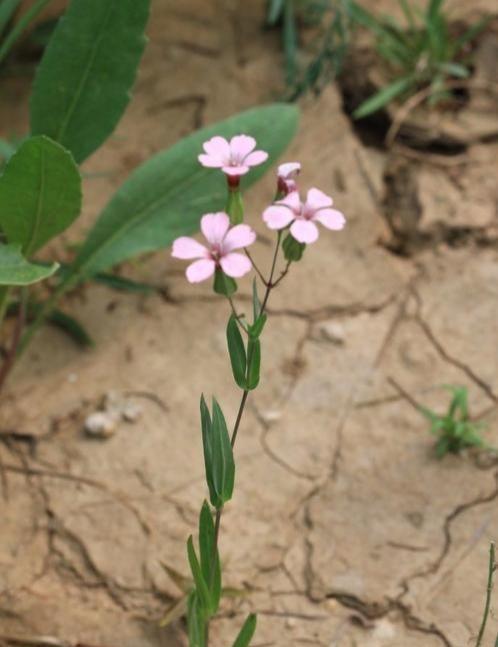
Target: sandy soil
x,y
344,530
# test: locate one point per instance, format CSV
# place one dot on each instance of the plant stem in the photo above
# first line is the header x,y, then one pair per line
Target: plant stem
x,y
489,589
16,336
269,286
43,313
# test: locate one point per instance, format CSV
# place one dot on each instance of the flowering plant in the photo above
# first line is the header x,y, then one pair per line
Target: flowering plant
x,y
222,258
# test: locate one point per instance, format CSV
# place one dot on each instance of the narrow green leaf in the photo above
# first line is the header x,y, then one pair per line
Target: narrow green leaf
x,y
383,97
166,196
83,83
7,11
237,352
71,327
455,69
223,463
207,442
40,193
201,586
433,9
253,363
16,270
195,622
257,327
21,25
209,556
275,9
247,632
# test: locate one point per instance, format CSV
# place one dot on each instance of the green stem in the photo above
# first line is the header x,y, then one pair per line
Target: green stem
x,y
20,26
269,286
489,589
43,313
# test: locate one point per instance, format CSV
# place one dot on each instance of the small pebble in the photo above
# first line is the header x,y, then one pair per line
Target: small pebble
x,y
101,424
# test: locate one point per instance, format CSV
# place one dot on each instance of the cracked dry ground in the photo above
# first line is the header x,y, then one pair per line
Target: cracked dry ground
x,y
344,529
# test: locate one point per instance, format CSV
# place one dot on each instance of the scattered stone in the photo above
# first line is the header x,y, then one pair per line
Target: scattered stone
x,y
101,424
333,332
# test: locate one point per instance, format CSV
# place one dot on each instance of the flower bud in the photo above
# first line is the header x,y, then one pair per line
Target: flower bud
x,y
286,180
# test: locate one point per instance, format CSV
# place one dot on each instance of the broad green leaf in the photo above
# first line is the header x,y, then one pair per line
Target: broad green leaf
x,y
383,97
237,352
201,586
246,633
223,463
165,197
16,270
40,193
253,363
209,556
83,83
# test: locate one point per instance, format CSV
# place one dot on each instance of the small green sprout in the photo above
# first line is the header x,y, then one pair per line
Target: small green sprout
x,y
455,430
422,53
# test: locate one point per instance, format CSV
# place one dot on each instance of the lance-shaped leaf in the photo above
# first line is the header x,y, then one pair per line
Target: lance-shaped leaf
x,y
201,585
196,623
246,633
83,83
218,455
223,463
165,197
253,363
209,556
16,270
40,193
237,352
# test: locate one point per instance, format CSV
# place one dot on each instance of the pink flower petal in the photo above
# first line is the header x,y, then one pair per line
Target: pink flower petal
x,y
255,158
241,145
235,265
330,218
293,201
304,231
210,162
187,248
317,199
237,237
235,170
217,147
289,170
214,226
278,216
200,270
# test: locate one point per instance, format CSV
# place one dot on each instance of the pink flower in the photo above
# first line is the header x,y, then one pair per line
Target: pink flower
x,y
287,174
304,215
222,240
234,157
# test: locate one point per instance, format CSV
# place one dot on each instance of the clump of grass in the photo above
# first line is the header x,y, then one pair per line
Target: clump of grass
x,y
310,69
455,430
420,54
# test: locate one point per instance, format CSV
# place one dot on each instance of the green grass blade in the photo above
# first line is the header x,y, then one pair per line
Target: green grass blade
x,y
383,97
24,21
